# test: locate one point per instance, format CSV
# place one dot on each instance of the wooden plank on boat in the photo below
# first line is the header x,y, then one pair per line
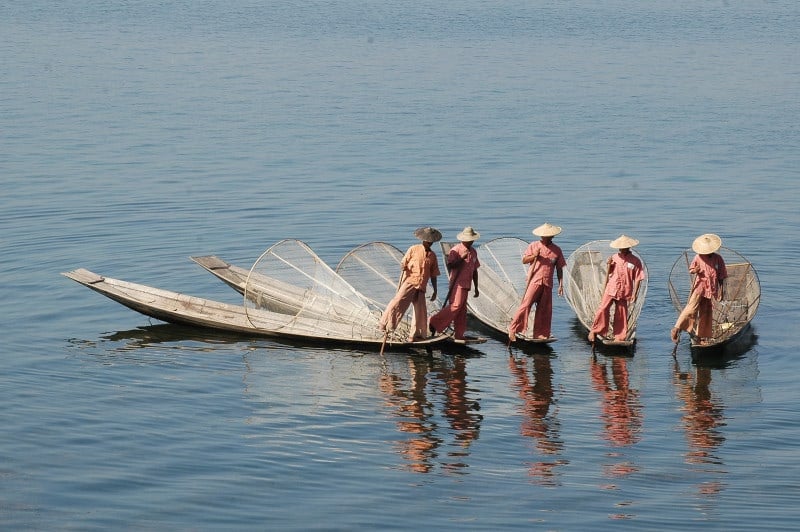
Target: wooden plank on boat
x,y
233,276
617,343
468,340
531,340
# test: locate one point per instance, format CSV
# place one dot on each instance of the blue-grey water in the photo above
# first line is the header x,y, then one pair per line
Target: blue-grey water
x,y
136,134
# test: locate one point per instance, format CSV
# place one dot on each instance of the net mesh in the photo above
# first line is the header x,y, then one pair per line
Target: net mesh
x,y
374,270
741,292
306,297
584,284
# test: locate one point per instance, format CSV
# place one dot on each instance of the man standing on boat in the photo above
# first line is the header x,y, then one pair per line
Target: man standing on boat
x,y
463,264
544,258
418,265
624,275
709,270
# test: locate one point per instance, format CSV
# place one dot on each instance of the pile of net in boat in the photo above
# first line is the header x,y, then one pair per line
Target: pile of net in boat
x,y
585,277
741,293
313,300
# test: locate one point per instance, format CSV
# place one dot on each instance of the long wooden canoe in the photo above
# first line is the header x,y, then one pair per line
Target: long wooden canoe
x,y
174,307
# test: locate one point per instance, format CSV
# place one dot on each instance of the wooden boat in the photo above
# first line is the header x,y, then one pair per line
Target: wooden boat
x,y
733,313
584,278
174,307
502,286
302,298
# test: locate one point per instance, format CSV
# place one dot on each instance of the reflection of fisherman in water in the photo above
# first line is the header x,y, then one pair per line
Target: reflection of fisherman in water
x,y
458,406
417,413
622,417
701,416
537,398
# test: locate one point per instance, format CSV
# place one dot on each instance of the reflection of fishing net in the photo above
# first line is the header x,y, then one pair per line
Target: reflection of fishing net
x,y
374,270
741,292
307,297
585,282
502,282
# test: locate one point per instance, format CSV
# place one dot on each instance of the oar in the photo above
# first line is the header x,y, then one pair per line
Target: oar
x,y
675,349
383,344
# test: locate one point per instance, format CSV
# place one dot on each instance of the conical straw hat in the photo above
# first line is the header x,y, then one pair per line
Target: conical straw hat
x,y
624,242
468,235
706,244
547,229
428,234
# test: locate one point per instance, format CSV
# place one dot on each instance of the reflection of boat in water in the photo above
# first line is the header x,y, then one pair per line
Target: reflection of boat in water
x,y
585,276
732,314
288,293
502,286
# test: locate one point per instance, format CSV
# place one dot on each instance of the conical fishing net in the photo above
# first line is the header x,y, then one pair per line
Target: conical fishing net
x,y
584,283
741,292
308,297
374,270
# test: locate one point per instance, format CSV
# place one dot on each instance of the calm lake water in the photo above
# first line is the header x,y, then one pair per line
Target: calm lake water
x,y
136,134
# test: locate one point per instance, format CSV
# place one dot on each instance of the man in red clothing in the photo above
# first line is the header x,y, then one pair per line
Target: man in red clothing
x,y
544,258
462,261
709,270
624,275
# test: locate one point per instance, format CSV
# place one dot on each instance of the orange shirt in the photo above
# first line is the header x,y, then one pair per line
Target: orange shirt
x,y
419,266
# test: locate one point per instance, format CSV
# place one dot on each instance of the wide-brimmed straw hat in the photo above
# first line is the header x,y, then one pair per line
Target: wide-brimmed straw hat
x,y
547,229
428,234
468,235
624,242
706,244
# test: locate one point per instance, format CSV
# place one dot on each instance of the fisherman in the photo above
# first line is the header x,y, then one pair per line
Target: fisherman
x,y
418,265
709,270
462,261
544,258
624,276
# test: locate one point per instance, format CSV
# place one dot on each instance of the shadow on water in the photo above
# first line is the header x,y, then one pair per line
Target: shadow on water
x,y
724,355
165,333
